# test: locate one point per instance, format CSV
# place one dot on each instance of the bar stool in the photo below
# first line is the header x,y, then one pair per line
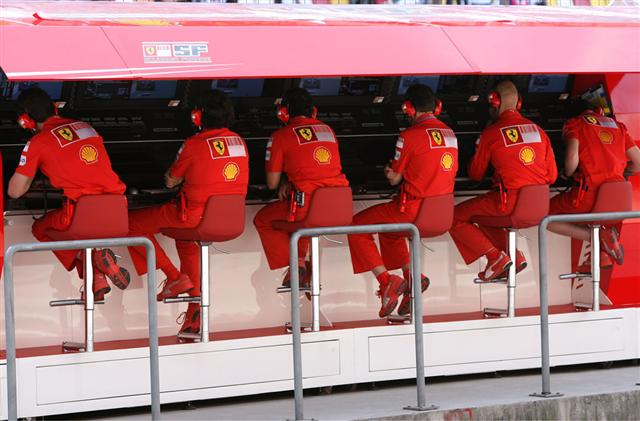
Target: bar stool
x,y
434,218
532,205
328,207
111,211
223,220
615,196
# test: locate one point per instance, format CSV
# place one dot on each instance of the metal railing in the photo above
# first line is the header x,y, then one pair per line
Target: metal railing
x,y
544,299
416,303
10,331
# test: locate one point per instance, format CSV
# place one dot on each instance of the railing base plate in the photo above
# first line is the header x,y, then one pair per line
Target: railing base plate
x,y
546,395
479,281
583,306
420,408
181,300
575,275
304,327
494,312
73,347
189,336
284,290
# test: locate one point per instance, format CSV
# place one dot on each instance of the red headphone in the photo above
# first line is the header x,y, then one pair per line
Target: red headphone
x,y
196,117
26,122
495,101
410,111
282,113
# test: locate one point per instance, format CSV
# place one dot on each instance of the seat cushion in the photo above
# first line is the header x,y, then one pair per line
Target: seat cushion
x,y
96,216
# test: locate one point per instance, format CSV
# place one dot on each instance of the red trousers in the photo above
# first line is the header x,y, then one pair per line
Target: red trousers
x,y
394,252
274,242
57,220
474,241
564,203
148,222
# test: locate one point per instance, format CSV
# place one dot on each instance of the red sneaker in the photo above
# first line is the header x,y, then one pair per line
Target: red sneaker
x,y
389,294
100,287
191,321
175,287
610,242
405,305
105,261
304,276
521,264
496,268
605,262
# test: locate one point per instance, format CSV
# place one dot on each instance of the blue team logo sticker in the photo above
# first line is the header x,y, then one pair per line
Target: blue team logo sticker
x,y
172,52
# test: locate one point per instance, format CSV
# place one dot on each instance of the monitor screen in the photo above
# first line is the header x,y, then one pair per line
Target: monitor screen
x,y
153,89
54,89
5,86
239,87
548,83
107,90
360,86
407,81
317,86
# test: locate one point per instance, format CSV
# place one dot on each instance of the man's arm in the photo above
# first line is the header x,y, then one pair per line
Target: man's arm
x,y
18,185
571,159
481,159
273,179
633,154
171,181
393,177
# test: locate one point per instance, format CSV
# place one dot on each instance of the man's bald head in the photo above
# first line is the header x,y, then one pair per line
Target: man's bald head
x,y
508,95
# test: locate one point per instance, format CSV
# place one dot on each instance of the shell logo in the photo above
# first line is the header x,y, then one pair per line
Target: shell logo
x,y
605,137
527,155
89,154
230,171
322,155
447,161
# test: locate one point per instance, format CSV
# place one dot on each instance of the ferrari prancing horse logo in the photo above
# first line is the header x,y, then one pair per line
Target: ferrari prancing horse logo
x,y
219,146
512,134
66,133
437,137
306,133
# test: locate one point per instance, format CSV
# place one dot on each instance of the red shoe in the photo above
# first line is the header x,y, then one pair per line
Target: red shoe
x,y
389,294
521,264
105,261
175,287
405,305
304,276
191,322
100,287
605,262
610,242
496,268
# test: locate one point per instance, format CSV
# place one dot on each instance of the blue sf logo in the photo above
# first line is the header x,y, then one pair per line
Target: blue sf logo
x,y
189,50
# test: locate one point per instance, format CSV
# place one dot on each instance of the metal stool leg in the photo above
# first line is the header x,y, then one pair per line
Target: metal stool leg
x,y
595,266
204,292
89,305
315,283
511,279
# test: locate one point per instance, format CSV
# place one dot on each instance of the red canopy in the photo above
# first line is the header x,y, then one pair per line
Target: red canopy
x,y
87,40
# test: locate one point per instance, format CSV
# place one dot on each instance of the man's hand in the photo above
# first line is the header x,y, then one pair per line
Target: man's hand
x,y
393,177
284,190
170,181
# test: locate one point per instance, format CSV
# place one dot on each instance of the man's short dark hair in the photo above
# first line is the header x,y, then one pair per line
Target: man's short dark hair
x,y
299,102
37,103
576,106
217,109
421,97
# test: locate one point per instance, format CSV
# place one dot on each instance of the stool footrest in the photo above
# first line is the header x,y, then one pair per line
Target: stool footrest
x,y
305,326
70,302
186,335
181,300
583,306
479,281
499,312
283,290
73,346
576,275
398,320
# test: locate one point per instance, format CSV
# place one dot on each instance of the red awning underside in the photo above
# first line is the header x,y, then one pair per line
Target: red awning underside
x,y
86,40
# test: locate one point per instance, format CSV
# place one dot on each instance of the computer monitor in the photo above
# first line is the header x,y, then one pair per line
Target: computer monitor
x,y
106,90
321,86
53,89
153,89
239,87
407,81
360,86
548,83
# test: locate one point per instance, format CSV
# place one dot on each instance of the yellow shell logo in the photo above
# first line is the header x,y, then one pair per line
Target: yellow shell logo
x,y
605,137
527,155
322,155
89,154
447,161
231,171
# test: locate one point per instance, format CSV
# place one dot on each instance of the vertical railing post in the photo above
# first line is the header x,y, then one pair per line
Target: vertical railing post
x,y
89,302
10,333
511,277
595,266
295,326
204,292
154,357
315,283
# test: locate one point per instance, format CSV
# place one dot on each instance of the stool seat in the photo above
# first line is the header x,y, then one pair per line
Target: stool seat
x,y
96,216
328,207
532,205
222,220
613,196
435,216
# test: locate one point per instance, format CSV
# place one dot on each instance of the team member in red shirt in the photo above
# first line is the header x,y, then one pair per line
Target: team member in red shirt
x,y
597,151
213,162
72,155
306,151
521,155
426,162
